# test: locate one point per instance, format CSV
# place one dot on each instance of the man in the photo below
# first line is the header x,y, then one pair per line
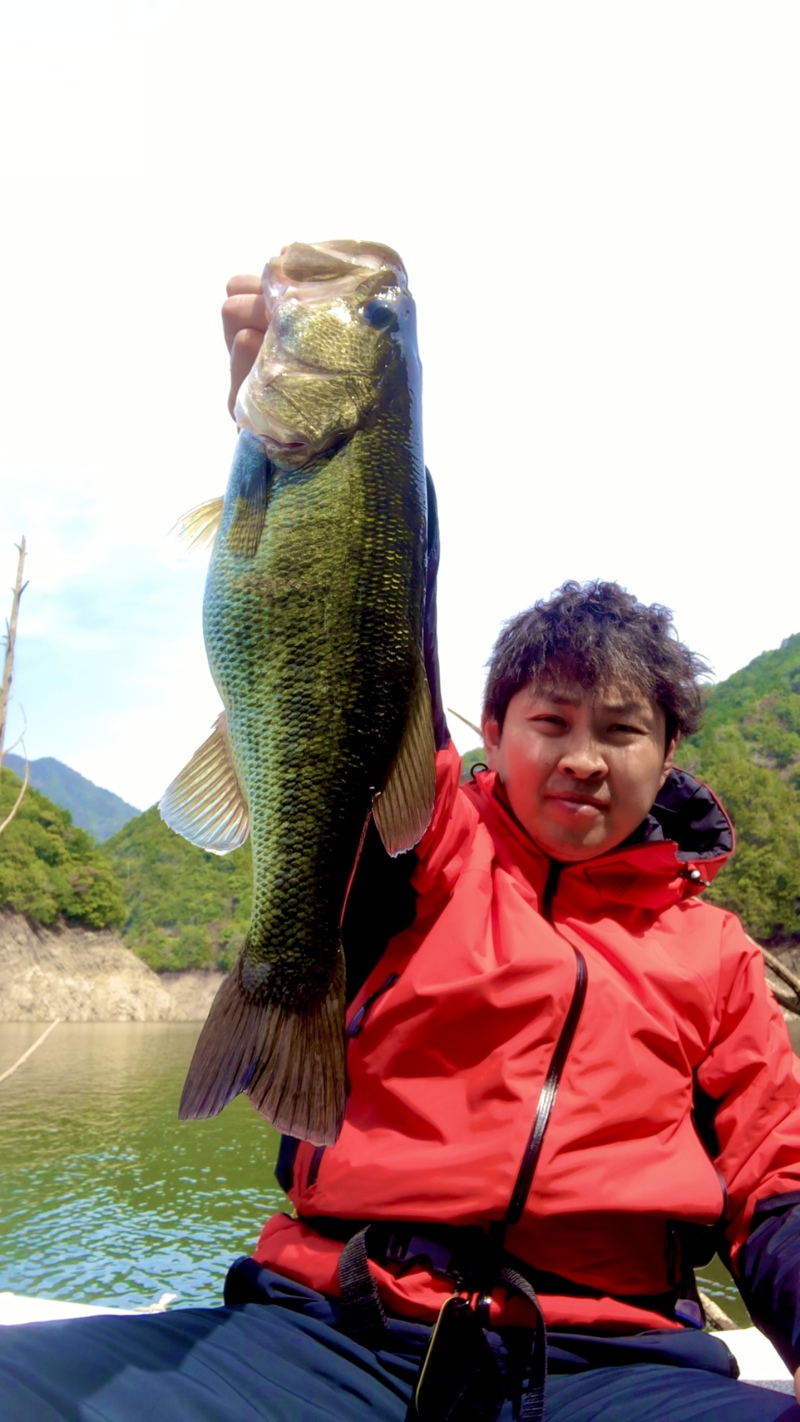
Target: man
x,y
566,1078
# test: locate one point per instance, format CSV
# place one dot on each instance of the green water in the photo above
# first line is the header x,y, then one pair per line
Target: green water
x,y
106,1197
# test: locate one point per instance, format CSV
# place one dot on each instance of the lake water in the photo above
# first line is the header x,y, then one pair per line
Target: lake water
x,y
106,1197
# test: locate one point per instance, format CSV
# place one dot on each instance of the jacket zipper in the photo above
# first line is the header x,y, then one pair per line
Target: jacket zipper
x,y
353,1029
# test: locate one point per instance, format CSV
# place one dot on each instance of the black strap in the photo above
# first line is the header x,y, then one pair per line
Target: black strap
x,y
364,1316
451,1251
533,1400
478,1267
547,1095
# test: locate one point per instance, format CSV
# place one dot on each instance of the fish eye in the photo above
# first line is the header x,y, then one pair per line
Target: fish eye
x,y
379,315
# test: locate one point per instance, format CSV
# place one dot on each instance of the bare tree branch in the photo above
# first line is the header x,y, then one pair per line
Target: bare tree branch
x,y
471,724
8,674
23,787
11,634
716,1317
781,971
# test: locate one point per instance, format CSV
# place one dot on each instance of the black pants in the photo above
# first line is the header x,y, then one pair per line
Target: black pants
x,y
288,1360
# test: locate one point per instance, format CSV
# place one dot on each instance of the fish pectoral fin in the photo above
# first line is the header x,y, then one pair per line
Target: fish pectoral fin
x,y
200,526
290,1061
402,811
206,803
247,526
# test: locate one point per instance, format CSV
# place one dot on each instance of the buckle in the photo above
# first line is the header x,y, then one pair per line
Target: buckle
x,y
403,1247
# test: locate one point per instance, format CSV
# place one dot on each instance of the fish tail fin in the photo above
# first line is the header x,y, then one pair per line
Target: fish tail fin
x,y
290,1062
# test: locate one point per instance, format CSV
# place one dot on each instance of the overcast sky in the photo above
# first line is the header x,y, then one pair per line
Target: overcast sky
x,y
599,209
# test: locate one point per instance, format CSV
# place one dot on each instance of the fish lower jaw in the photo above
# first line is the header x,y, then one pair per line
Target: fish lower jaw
x,y
282,445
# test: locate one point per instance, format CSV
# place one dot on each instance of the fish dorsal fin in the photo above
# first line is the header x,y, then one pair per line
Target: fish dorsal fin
x,y
199,526
206,803
402,811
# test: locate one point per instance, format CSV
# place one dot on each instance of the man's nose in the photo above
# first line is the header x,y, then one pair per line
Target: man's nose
x,y
584,758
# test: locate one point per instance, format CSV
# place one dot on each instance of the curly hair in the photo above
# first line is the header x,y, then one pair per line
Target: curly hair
x,y
597,635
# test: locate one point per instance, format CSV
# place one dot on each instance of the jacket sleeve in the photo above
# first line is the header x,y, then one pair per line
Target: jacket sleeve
x,y
769,1273
751,1075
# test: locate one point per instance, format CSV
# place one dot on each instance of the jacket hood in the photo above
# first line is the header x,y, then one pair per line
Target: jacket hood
x,y
689,815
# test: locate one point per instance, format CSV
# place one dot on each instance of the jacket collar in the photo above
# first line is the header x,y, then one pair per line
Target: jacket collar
x,y
674,854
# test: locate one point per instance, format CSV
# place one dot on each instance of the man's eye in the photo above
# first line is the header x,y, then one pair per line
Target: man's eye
x,y
628,730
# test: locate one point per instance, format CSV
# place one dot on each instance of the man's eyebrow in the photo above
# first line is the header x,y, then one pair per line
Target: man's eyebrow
x,y
558,698
612,708
624,708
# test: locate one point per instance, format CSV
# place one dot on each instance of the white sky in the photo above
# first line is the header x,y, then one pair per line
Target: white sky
x,y
599,209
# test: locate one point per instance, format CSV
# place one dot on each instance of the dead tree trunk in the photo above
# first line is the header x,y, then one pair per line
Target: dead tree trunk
x,y
11,634
8,673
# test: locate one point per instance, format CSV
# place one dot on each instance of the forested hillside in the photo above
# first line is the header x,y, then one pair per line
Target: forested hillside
x,y
185,908
190,909
749,752
49,868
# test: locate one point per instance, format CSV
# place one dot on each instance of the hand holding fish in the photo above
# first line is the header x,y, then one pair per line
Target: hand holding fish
x,y
244,322
316,631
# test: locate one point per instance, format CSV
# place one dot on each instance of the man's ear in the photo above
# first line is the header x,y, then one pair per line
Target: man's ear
x,y
491,740
669,758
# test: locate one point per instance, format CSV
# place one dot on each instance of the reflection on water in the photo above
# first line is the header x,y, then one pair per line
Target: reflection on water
x,y
106,1196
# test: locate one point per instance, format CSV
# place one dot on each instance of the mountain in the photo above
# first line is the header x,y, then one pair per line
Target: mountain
x,y
99,811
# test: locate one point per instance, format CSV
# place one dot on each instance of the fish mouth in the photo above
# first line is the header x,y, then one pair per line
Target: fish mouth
x,y
280,441
304,268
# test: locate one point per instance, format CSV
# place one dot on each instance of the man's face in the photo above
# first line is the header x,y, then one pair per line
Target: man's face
x,y
581,768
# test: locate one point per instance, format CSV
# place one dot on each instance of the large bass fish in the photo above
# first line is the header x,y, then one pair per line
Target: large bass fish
x,y
313,621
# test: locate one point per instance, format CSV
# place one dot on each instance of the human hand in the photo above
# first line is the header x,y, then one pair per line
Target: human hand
x,y
244,321
797,1385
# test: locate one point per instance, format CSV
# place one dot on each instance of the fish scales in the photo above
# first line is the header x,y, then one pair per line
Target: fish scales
x,y
289,641
313,621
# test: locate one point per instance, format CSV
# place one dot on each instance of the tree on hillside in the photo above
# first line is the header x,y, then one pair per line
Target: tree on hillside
x,y
748,750
50,869
184,908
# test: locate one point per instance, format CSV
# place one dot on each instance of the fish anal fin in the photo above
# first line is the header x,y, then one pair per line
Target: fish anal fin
x,y
205,803
200,525
402,811
290,1062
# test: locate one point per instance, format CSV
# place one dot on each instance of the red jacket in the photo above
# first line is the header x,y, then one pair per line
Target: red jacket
x,y
447,1062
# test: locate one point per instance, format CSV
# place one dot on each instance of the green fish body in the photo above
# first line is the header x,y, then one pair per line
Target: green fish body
x,y
313,622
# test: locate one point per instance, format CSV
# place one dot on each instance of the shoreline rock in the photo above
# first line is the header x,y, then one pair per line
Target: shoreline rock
x,y
86,975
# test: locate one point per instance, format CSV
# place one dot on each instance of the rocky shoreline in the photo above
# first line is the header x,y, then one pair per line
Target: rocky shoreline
x,y
82,975
86,975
